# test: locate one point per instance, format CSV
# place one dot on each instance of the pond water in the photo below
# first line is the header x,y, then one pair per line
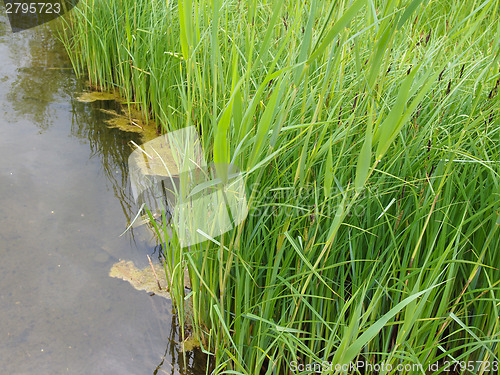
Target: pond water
x,y
64,201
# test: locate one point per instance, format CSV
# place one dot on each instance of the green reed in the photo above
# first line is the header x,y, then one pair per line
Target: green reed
x,y
368,132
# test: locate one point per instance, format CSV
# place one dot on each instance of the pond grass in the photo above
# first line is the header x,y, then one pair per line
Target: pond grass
x,y
369,137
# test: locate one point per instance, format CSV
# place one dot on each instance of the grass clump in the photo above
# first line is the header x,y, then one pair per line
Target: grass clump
x,y
368,133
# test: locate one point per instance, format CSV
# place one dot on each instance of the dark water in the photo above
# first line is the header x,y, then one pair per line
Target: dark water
x,y
64,200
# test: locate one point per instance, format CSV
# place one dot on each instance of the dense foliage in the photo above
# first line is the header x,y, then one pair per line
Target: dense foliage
x,y
369,133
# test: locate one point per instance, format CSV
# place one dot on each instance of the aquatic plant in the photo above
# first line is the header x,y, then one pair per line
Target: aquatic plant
x,y
368,135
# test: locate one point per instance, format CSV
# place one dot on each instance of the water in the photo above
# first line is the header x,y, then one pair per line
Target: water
x,y
64,200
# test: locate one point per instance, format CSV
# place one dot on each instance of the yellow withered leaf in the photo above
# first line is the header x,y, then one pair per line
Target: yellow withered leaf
x,y
142,279
88,97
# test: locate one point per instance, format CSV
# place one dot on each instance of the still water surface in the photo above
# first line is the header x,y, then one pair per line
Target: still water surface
x,y
64,200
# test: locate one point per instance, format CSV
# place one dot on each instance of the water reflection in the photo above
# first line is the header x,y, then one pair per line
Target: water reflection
x,y
44,85
64,199
40,76
173,360
111,147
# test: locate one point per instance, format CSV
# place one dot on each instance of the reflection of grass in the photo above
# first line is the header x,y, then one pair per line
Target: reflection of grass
x,y
110,146
353,111
37,87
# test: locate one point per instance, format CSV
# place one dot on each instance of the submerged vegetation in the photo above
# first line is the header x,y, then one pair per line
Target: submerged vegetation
x,y
368,132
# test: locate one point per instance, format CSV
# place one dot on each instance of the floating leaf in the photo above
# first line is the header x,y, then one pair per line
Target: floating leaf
x,y
190,343
89,97
142,279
